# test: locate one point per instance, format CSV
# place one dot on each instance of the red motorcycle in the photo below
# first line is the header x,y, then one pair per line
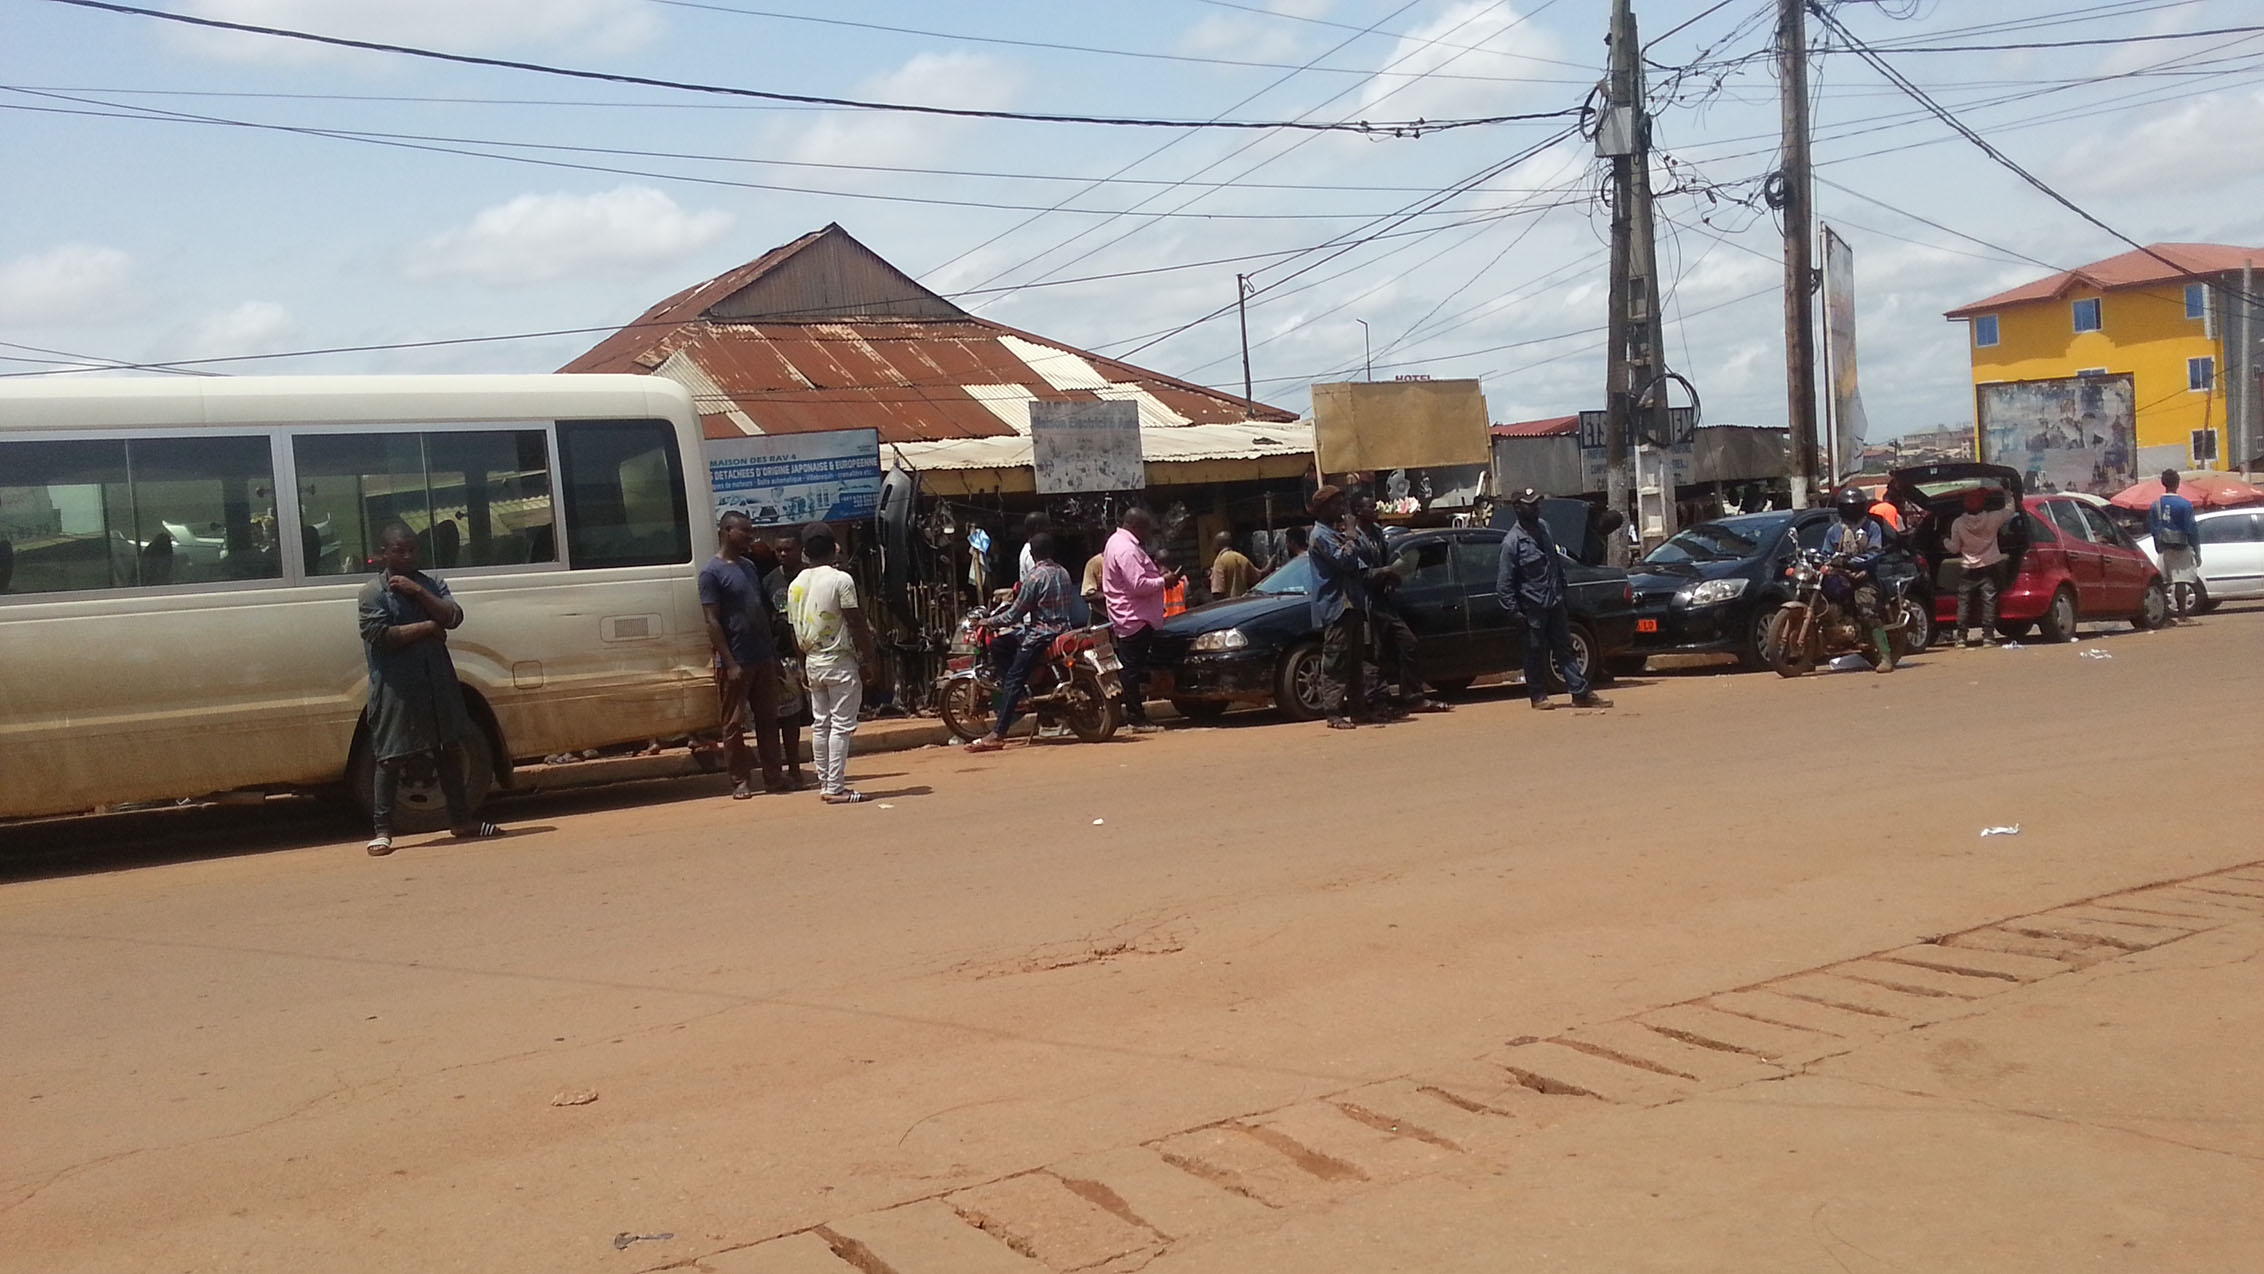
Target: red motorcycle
x,y
1075,683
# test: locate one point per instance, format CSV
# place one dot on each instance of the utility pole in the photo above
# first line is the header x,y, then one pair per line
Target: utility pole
x,y
2249,423
1797,209
1635,393
1367,352
1242,309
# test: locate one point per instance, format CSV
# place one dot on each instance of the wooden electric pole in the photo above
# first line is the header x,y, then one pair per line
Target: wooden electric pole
x,y
1796,207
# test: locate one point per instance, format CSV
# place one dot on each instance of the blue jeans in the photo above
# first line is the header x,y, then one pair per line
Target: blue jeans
x,y
1549,634
1031,648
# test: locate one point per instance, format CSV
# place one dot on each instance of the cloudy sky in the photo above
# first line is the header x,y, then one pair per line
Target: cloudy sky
x,y
184,194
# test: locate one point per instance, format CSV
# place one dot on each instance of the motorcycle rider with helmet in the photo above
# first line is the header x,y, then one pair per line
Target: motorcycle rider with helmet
x,y
1859,538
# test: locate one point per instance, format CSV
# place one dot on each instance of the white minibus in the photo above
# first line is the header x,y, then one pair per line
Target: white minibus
x,y
180,560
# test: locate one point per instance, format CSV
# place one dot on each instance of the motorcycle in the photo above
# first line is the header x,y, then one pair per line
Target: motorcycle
x,y
1074,682
1820,623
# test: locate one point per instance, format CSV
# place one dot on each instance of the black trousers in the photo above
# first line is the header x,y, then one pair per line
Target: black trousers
x,y
1396,655
1132,652
1344,665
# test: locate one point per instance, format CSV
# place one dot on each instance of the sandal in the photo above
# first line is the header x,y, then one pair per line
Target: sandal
x,y
741,791
846,796
379,846
1343,723
479,831
988,743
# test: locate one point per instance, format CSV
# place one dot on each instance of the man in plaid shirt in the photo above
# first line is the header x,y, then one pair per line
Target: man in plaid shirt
x,y
1042,605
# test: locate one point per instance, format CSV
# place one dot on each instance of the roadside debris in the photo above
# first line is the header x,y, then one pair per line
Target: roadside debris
x,y
1098,821
2093,652
2010,830
574,1097
622,1240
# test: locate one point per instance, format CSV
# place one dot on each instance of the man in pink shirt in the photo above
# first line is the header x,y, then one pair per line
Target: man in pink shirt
x,y
1133,585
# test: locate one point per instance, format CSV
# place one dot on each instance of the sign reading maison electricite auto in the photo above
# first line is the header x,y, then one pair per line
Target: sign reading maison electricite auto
x,y
1086,446
785,479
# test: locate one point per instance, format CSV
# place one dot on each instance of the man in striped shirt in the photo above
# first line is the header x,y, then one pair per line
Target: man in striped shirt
x,y
1041,604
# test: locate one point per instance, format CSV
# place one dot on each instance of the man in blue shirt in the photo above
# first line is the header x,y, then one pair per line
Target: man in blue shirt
x,y
737,611
2177,537
1342,559
1041,607
1530,581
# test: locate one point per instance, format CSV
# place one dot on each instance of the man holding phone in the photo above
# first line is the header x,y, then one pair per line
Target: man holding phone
x,y
416,712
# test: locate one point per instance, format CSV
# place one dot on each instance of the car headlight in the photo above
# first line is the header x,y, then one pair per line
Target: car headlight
x,y
1220,640
1712,592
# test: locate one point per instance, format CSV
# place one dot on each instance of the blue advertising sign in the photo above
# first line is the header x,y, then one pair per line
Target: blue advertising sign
x,y
788,479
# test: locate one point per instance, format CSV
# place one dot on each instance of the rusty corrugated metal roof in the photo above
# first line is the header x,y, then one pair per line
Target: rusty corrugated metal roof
x,y
2128,269
1550,427
915,379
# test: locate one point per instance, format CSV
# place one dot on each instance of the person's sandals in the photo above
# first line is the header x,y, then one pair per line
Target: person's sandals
x,y
1543,705
846,796
1590,701
742,791
1343,723
478,831
987,743
379,846
1429,705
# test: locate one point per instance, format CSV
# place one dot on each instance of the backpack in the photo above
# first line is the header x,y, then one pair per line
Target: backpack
x,y
2166,536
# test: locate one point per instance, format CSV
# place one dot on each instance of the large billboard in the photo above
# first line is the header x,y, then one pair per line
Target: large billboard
x,y
2070,433
1086,446
1849,426
788,479
1403,424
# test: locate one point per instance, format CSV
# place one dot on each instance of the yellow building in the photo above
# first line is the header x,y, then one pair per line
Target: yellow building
x,y
2132,314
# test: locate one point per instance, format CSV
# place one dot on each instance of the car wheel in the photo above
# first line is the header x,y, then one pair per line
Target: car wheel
x,y
1753,656
1200,709
2059,617
1583,657
2153,608
418,804
1297,683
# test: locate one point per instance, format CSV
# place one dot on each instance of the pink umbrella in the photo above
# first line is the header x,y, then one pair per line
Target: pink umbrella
x,y
2207,491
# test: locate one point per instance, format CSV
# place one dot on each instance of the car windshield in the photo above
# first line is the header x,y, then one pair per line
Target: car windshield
x,y
1295,578
1712,542
1952,485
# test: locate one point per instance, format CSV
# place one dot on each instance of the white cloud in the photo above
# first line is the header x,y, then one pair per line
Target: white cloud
x,y
252,327
453,25
538,238
1505,45
1242,37
968,81
65,283
2188,148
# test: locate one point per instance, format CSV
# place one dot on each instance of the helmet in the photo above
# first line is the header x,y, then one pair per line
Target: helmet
x,y
1852,504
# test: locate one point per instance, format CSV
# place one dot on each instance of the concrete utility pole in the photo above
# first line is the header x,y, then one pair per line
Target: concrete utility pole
x,y
1797,209
2247,421
1636,327
1242,311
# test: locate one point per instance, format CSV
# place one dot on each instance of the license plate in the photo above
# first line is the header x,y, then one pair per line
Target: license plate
x,y
1109,663
1646,625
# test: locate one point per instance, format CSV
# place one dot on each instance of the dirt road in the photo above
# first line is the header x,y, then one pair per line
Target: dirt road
x,y
1253,996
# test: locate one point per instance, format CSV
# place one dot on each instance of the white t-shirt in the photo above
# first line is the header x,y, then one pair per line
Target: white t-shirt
x,y
815,604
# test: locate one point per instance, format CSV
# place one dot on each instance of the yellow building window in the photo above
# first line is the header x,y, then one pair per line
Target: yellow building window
x,y
1985,330
2200,374
2087,315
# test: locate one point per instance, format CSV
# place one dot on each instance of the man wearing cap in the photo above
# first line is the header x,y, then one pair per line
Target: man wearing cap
x,y
1342,561
1531,582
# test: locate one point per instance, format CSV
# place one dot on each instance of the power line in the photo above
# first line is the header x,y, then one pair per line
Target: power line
x,y
1404,128
1881,65
1101,50
1346,26
467,147
2113,40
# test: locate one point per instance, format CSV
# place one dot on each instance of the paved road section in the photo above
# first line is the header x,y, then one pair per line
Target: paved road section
x,y
1724,978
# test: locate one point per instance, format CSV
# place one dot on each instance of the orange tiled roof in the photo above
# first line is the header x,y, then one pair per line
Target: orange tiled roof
x,y
2130,269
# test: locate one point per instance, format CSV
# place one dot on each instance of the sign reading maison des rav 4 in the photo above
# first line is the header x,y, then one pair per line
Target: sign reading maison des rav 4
x,y
1086,446
785,479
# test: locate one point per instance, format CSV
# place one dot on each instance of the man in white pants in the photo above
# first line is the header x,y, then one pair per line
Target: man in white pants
x,y
837,644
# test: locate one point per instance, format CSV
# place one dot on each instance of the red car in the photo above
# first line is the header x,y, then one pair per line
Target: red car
x,y
2070,563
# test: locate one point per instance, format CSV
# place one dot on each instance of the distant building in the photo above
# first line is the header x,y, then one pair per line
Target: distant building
x,y
2130,314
